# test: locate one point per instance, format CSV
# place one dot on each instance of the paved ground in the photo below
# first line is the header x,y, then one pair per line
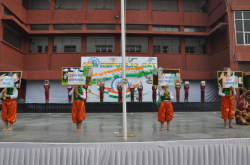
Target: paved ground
x,y
101,127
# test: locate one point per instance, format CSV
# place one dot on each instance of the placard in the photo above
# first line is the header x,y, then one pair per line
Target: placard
x,y
226,79
203,83
187,83
10,79
169,77
77,76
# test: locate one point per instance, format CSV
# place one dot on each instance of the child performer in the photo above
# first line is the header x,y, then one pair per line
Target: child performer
x,y
186,88
154,93
132,92
140,89
119,93
202,93
46,86
9,107
165,111
78,107
227,105
101,91
178,93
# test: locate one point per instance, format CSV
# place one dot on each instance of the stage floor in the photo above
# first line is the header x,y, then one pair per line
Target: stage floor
x,y
99,127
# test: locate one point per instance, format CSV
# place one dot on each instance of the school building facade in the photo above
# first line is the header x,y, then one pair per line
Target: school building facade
x,y
200,37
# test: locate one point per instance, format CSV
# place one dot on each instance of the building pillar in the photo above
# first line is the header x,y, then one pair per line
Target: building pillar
x,y
183,52
117,46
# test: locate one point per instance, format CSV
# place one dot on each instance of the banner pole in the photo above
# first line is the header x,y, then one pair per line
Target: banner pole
x,y
124,80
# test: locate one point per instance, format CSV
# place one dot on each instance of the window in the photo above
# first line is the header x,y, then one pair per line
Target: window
x,y
36,4
69,4
54,48
136,27
199,6
136,4
242,27
100,44
157,49
104,48
101,4
100,27
69,48
39,27
38,44
189,49
194,29
166,28
195,46
136,44
133,48
67,27
165,5
166,45
67,44
12,37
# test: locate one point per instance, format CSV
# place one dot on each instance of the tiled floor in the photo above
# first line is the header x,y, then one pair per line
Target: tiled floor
x,y
101,127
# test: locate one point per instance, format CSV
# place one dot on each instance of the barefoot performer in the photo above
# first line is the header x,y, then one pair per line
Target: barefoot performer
x,y
9,107
241,113
227,105
78,107
165,111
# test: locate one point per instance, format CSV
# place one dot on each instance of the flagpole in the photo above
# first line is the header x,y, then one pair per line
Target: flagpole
x,y
124,84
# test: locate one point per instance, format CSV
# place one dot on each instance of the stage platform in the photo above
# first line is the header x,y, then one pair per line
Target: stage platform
x,y
100,127
115,107
197,138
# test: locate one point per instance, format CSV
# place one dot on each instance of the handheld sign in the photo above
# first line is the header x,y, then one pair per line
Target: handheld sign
x,y
77,76
169,77
203,83
10,79
229,78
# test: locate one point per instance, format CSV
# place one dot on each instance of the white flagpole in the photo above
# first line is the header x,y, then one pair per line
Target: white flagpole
x,y
124,84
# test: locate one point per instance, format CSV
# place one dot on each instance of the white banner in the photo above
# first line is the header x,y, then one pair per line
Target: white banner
x,y
134,75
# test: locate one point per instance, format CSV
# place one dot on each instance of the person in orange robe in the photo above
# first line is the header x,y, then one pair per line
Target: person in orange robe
x,y
78,108
241,113
9,107
227,105
165,111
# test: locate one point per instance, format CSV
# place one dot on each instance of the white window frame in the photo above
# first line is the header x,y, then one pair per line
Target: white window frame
x,y
243,27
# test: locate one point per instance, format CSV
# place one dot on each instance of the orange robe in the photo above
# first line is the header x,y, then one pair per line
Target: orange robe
x,y
78,108
227,108
165,111
78,111
9,112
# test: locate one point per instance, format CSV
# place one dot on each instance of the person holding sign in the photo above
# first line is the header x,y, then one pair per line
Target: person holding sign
x,y
241,114
9,107
101,91
154,93
177,88
46,86
140,89
202,91
186,89
132,92
119,87
227,105
165,111
78,108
